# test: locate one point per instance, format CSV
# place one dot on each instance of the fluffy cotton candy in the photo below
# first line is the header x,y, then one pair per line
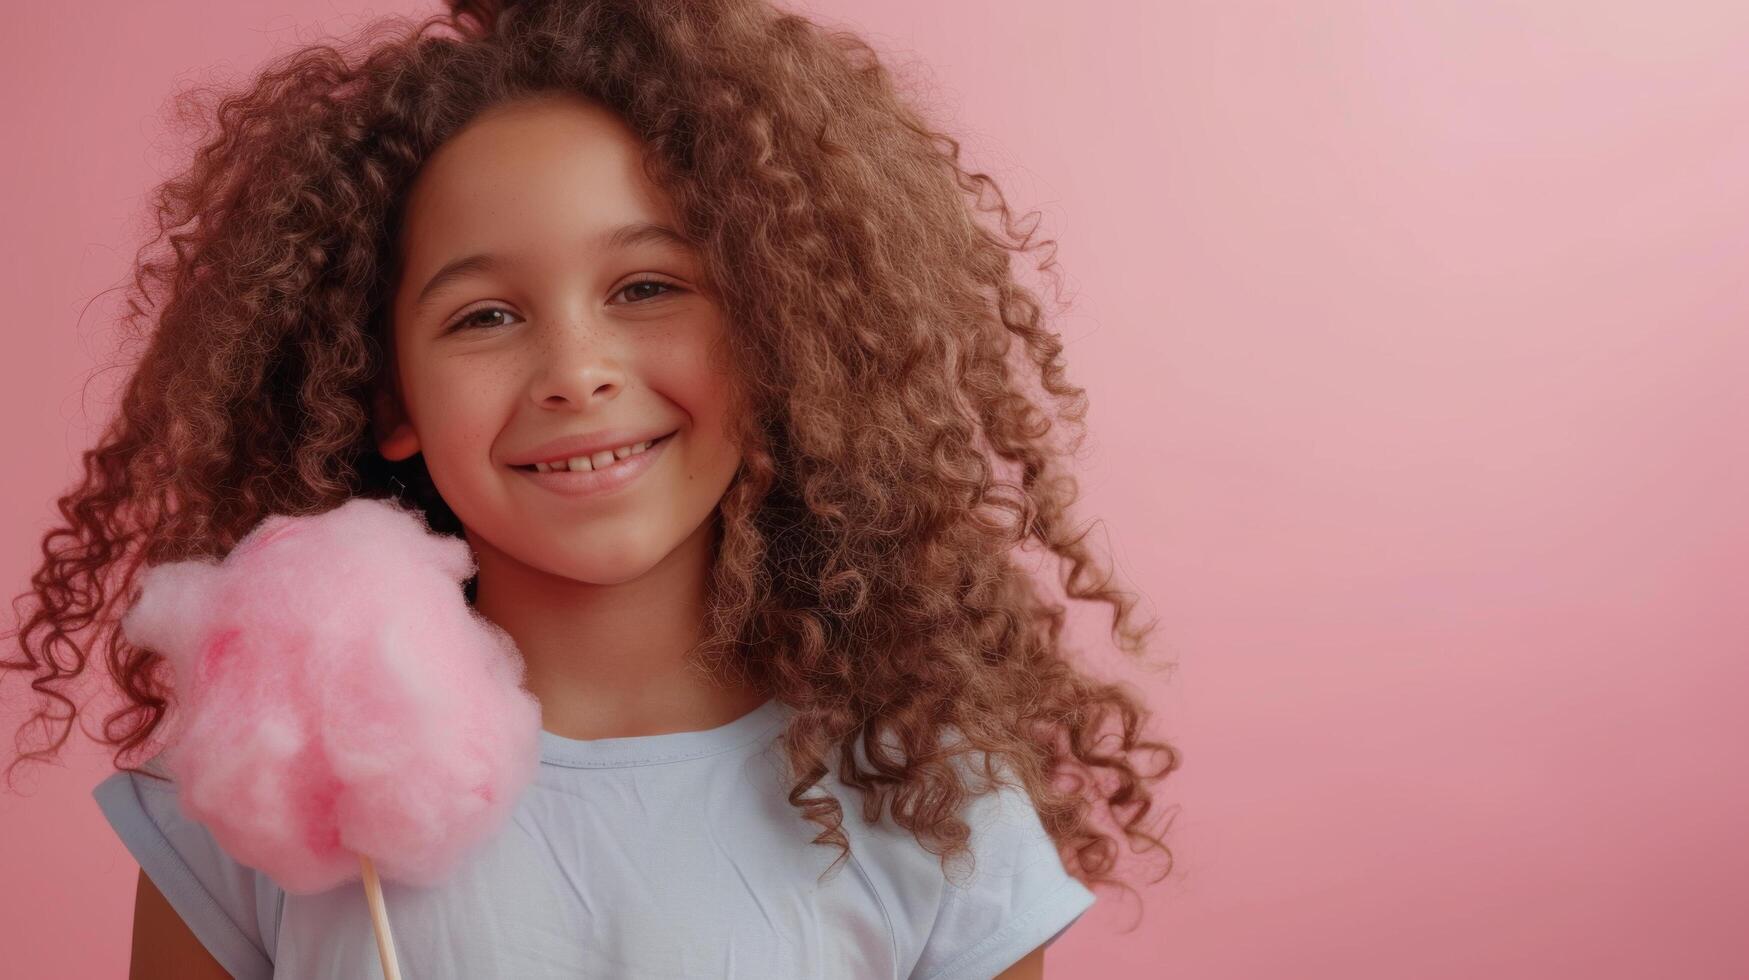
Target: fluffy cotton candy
x,y
336,696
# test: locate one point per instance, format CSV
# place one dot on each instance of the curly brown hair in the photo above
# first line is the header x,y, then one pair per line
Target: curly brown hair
x,y
863,568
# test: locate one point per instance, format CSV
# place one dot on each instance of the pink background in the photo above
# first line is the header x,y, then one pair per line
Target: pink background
x,y
1416,335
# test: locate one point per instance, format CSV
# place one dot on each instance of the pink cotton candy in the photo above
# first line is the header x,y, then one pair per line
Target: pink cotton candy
x,y
336,696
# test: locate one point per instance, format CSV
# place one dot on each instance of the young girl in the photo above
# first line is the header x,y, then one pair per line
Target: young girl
x,y
685,321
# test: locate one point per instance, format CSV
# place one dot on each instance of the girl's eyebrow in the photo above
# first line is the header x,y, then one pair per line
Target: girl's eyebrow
x,y
623,237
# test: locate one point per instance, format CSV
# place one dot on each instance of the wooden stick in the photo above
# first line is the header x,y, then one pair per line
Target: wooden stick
x,y
379,917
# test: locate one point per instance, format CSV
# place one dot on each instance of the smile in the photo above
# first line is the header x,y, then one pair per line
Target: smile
x,y
589,481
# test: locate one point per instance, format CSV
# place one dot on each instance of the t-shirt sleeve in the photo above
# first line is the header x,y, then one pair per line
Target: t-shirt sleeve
x,y
1017,897
231,908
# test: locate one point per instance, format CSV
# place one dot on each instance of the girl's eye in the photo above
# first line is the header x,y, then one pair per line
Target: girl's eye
x,y
649,282
470,321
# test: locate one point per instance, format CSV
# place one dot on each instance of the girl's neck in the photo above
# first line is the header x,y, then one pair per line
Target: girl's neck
x,y
609,661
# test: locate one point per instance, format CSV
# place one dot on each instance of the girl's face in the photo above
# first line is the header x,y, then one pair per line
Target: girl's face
x,y
539,301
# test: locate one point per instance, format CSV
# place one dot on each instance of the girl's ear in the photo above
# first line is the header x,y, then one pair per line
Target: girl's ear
x,y
395,437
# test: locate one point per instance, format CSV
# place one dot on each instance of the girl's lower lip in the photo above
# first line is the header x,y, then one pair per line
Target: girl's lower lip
x,y
617,474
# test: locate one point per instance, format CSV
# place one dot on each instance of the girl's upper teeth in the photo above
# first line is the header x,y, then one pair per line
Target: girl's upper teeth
x,y
594,462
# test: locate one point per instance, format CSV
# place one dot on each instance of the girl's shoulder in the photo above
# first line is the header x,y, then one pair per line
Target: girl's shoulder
x,y
231,908
1008,894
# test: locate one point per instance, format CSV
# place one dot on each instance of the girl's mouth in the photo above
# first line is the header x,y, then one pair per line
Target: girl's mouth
x,y
556,466
615,475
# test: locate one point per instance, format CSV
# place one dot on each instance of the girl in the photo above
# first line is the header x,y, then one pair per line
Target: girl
x,y
684,321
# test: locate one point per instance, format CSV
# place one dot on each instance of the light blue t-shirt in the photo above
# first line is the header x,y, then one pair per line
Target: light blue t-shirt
x,y
658,856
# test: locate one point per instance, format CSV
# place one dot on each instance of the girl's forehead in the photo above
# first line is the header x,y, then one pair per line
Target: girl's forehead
x,y
529,163
504,146
555,177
